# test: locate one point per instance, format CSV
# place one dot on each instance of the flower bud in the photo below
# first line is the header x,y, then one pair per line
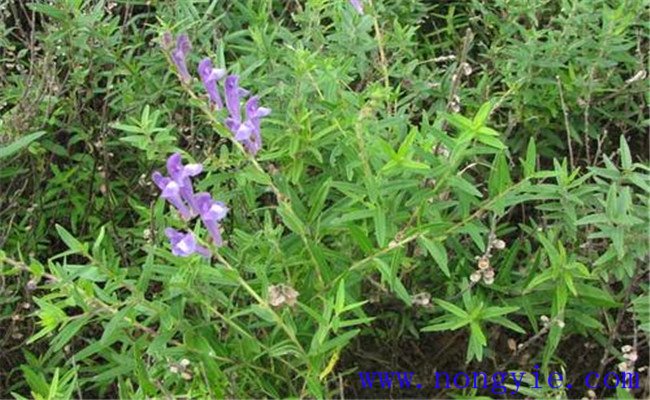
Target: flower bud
x,y
483,263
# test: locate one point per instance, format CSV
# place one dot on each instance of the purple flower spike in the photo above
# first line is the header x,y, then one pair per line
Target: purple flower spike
x,y
357,6
181,174
210,76
184,244
171,192
254,114
179,54
211,213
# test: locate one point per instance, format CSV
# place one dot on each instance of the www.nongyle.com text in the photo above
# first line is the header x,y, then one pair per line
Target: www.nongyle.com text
x,y
497,382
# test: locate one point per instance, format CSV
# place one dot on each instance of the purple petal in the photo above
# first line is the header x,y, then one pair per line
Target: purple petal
x,y
185,244
159,180
209,209
203,202
214,230
209,77
167,40
173,235
232,89
179,55
244,132
183,44
357,5
175,166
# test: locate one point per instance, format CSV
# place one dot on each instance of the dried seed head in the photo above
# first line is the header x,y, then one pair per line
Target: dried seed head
x,y
173,369
186,375
167,40
488,281
483,263
489,273
442,150
31,284
421,299
544,319
282,294
455,103
512,344
291,295
560,323
623,367
499,244
475,277
184,363
591,393
626,349
632,356
467,69
640,75
275,296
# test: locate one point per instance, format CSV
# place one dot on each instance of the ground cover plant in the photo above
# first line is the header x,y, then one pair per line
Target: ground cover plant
x,y
264,199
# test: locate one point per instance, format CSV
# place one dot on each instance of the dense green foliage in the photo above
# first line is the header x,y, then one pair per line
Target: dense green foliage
x,y
473,173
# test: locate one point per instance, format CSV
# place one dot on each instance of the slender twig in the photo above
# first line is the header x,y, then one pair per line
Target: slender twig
x,y
380,45
613,333
566,122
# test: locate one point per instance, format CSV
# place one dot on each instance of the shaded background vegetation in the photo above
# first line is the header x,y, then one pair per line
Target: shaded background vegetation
x,y
568,75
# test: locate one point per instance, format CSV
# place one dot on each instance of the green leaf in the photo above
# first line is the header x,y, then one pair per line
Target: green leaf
x,y
531,159
48,10
438,252
263,312
6,151
596,296
393,281
318,200
492,312
72,243
626,156
499,180
492,142
539,279
380,226
290,219
457,311
68,332
340,298
464,186
482,114
111,328
508,324
459,122
451,325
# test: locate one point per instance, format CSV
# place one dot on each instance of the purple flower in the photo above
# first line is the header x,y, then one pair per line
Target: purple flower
x,y
254,115
171,192
184,244
181,174
211,213
233,97
167,40
357,6
247,132
179,54
210,76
